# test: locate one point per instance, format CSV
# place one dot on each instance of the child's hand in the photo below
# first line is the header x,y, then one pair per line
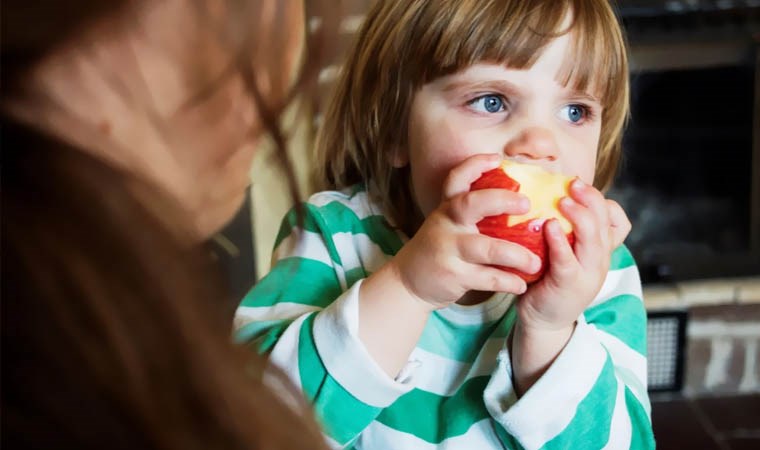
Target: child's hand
x,y
575,275
548,310
448,256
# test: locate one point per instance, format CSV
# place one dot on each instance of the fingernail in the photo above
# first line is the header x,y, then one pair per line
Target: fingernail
x,y
566,202
535,264
578,184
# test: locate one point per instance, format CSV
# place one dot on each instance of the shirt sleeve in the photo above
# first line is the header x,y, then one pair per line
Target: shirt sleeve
x,y
304,316
594,395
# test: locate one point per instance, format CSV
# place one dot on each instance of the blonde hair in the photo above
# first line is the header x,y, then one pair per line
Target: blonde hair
x,y
403,45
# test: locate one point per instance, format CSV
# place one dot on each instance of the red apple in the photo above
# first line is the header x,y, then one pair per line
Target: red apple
x,y
543,189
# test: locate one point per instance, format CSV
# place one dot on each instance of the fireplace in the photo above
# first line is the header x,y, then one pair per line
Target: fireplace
x,y
691,171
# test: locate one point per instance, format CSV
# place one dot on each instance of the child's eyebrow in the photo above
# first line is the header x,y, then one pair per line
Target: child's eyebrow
x,y
583,95
479,85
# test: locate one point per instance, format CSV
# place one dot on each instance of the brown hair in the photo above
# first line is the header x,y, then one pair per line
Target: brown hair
x,y
405,44
110,333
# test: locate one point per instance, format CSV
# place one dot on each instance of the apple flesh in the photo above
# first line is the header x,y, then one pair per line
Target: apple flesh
x,y
544,190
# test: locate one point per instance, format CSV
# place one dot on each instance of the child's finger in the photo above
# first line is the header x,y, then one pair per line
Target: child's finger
x,y
462,176
561,256
620,225
591,198
588,236
484,278
485,250
471,207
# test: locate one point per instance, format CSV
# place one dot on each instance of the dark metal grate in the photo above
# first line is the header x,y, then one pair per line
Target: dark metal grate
x,y
666,348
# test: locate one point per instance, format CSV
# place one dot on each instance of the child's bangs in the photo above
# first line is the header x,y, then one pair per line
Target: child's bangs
x,y
516,33
463,33
597,61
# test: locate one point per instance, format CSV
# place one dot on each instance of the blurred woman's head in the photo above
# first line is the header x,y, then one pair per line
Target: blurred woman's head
x,y
176,91
128,128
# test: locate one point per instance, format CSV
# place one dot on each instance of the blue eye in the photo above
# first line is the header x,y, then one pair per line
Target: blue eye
x,y
489,103
574,113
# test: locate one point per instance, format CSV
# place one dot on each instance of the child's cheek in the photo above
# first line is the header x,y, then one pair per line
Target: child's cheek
x,y
457,141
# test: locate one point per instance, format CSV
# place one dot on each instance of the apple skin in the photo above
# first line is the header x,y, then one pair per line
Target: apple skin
x,y
529,229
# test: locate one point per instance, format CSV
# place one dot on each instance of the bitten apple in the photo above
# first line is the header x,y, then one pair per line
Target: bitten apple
x,y
544,190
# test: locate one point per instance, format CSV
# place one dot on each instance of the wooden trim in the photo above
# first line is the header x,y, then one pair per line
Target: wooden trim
x,y
754,206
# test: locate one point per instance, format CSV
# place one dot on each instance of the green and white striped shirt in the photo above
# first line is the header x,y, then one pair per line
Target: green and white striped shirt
x,y
456,390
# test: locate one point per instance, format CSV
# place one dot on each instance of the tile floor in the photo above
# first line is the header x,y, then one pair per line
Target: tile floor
x,y
706,423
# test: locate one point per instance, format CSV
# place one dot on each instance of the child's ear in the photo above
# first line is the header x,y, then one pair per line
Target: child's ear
x,y
399,158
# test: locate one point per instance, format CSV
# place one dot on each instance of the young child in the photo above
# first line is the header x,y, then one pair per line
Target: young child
x,y
383,305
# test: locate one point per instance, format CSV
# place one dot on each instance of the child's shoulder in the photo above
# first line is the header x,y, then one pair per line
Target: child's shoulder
x,y
352,200
324,197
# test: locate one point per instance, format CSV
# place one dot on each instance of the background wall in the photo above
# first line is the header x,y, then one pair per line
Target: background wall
x,y
269,192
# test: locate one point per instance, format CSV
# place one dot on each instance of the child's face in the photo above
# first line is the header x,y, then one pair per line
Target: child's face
x,y
524,115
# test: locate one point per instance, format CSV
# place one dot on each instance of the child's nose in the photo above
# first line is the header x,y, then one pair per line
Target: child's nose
x,y
533,143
